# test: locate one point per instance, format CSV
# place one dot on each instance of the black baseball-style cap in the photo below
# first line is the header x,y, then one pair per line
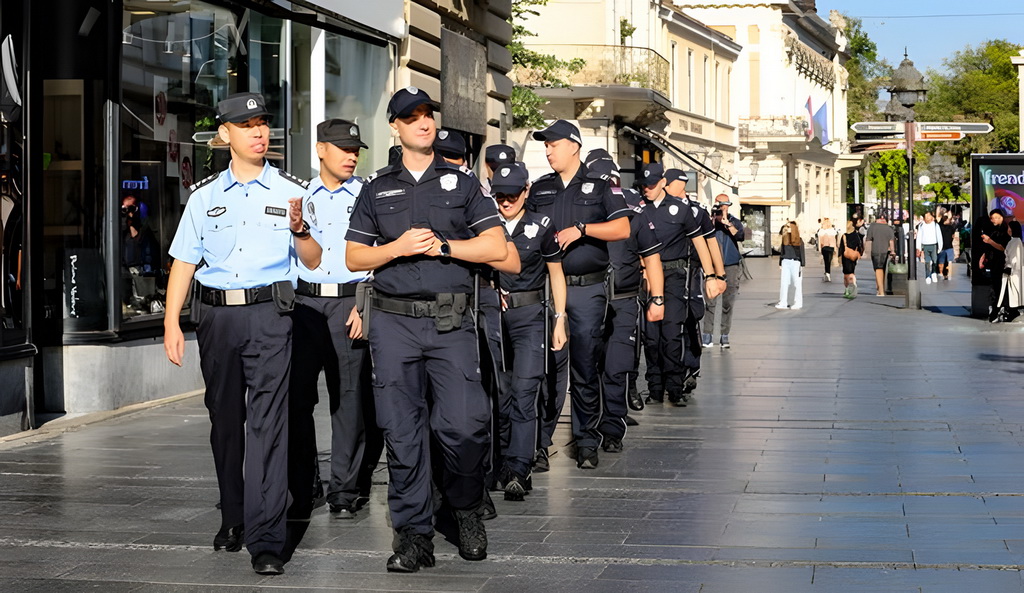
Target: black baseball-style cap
x,y
499,154
510,178
450,144
339,132
239,107
676,175
604,167
652,173
559,130
406,100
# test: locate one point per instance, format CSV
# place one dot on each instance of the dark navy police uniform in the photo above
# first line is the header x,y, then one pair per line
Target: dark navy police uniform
x,y
238,235
410,346
587,198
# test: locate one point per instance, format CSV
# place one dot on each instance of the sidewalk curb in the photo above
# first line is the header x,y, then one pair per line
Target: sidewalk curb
x,y
71,423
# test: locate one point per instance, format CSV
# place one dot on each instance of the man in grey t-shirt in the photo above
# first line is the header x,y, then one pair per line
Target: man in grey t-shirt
x,y
880,240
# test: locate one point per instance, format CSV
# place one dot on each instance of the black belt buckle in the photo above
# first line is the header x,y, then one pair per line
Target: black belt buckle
x,y
283,294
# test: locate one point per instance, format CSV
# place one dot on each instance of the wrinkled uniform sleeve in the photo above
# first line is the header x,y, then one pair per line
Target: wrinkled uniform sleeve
x,y
362,226
614,205
187,245
549,248
481,211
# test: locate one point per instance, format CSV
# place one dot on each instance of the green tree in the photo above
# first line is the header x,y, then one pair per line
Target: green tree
x,y
867,74
543,69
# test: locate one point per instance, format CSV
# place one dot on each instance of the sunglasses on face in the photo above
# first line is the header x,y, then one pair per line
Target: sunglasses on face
x,y
510,198
132,209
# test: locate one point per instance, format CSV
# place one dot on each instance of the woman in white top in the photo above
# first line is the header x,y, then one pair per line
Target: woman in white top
x,y
1011,296
827,243
929,243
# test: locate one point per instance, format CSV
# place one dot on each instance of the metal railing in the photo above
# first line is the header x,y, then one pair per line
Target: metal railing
x,y
606,65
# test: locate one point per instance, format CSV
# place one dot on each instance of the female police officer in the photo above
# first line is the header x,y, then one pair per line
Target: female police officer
x,y
419,224
234,239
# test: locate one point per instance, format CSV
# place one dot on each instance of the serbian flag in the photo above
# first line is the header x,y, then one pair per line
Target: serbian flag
x,y
821,124
810,119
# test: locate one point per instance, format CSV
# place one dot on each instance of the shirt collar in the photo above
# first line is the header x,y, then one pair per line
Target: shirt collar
x,y
352,186
263,178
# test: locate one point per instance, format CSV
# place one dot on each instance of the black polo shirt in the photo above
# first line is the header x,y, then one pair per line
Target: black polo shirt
x,y
534,238
587,198
625,255
445,200
674,224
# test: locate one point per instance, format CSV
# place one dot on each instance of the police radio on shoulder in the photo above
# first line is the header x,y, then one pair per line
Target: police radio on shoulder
x,y
303,233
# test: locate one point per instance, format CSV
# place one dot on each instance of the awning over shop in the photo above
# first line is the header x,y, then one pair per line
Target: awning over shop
x,y
667,146
763,201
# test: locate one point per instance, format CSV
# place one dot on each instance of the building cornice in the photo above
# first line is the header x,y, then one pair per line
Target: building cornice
x,y
720,41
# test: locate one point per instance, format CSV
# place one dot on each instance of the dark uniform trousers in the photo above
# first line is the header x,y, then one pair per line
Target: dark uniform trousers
x,y
619,363
586,307
553,392
245,356
322,344
491,368
521,385
672,345
408,352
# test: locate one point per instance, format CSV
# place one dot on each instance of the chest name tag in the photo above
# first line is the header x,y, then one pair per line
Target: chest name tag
x,y
272,211
391,192
547,192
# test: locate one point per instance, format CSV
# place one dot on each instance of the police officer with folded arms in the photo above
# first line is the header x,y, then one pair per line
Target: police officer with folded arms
x,y
680,235
328,335
236,238
421,224
587,215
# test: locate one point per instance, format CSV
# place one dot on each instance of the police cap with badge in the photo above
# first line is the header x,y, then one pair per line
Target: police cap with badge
x,y
651,174
499,154
510,179
404,102
676,175
240,107
339,132
450,144
559,130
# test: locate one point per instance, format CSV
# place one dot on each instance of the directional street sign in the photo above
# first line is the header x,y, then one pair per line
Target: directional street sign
x,y
878,127
965,127
865,148
933,136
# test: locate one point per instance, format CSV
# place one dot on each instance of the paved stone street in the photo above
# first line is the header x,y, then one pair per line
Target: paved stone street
x,y
851,446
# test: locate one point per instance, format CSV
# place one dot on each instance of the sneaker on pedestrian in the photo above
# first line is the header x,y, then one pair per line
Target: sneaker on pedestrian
x,y
796,307
724,341
781,306
853,290
706,341
927,279
935,277
828,277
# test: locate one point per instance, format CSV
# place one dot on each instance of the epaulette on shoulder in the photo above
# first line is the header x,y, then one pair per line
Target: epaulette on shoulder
x,y
547,177
203,182
300,182
597,175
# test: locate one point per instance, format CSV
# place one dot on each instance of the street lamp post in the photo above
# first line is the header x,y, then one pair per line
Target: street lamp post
x,y
907,89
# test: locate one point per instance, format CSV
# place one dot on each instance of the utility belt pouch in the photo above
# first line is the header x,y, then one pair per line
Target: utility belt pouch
x,y
283,294
450,309
195,308
364,294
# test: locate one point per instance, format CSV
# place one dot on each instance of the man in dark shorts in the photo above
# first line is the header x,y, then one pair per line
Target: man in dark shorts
x,y
881,242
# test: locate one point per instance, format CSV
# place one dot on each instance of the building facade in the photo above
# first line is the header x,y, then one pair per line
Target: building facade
x,y
789,91
110,108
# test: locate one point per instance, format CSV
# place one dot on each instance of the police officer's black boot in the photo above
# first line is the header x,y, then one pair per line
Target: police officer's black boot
x,y
472,535
655,396
541,461
229,538
516,487
636,403
486,509
412,550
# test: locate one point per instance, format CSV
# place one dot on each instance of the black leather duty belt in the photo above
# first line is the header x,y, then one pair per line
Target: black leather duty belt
x,y
419,308
675,264
514,300
315,289
586,279
236,296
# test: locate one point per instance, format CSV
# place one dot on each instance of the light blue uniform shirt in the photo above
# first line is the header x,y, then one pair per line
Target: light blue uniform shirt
x,y
237,233
327,214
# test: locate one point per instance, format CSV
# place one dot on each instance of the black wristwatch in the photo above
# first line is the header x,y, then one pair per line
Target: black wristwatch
x,y
722,277
303,233
710,276
445,250
656,300
582,227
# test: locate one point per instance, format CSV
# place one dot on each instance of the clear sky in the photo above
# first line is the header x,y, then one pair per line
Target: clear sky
x,y
931,30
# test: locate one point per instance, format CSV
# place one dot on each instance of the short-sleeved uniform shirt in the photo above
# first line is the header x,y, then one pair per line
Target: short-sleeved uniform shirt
x,y
327,214
445,200
674,225
625,255
880,234
587,198
237,233
534,239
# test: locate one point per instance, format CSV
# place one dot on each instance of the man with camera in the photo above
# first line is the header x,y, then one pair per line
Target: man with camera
x,y
730,232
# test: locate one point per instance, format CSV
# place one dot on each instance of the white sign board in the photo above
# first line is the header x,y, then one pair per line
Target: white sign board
x,y
386,16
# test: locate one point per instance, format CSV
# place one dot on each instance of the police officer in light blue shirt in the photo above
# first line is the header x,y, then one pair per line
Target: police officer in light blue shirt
x,y
328,337
237,237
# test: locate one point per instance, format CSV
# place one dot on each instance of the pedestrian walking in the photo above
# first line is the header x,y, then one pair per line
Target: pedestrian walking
x,y
234,240
948,228
328,338
587,215
791,262
729,233
525,324
929,244
851,248
1011,295
421,225
827,236
880,242
992,259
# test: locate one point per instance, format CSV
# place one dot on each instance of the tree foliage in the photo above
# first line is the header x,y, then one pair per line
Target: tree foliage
x,y
867,74
544,69
980,84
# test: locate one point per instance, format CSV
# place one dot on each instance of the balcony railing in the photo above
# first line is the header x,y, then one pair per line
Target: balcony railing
x,y
779,126
606,65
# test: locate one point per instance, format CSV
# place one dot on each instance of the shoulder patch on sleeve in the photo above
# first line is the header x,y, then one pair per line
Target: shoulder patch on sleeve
x,y
299,182
203,182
